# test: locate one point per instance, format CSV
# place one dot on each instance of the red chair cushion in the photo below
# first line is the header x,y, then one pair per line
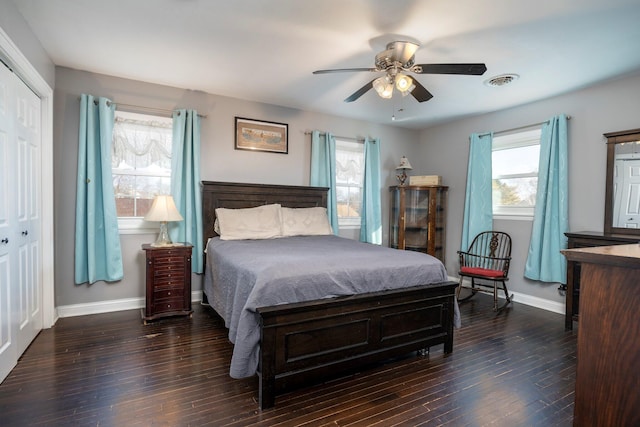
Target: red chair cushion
x,y
484,272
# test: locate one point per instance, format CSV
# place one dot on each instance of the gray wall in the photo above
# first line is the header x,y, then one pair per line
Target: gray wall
x,y
441,150
12,23
220,161
607,107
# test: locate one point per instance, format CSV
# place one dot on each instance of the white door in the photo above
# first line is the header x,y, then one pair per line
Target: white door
x,y
629,209
28,161
20,281
8,225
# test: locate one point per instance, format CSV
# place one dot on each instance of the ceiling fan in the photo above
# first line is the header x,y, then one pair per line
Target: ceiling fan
x,y
395,61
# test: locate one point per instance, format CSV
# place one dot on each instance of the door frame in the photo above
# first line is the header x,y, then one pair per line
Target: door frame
x,y
23,69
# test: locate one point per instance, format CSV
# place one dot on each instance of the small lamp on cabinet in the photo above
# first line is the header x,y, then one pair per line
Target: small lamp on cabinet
x,y
404,166
163,210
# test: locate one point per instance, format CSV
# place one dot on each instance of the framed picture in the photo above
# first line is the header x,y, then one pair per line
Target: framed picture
x,y
259,135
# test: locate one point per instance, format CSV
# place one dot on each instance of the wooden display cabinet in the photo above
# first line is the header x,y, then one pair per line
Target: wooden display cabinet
x,y
418,219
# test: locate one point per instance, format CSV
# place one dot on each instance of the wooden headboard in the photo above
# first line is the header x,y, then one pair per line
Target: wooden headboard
x,y
236,195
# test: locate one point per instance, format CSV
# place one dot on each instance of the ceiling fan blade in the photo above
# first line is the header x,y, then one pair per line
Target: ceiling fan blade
x,y
344,70
357,94
420,93
467,69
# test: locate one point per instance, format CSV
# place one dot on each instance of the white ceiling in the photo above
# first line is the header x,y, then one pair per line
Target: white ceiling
x,y
266,50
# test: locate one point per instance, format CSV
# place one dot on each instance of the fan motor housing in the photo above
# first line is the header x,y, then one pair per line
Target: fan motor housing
x,y
398,54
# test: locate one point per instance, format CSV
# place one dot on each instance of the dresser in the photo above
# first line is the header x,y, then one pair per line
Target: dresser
x,y
608,350
168,281
585,239
417,219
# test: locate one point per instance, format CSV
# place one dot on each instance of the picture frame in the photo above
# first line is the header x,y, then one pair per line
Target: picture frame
x,y
260,135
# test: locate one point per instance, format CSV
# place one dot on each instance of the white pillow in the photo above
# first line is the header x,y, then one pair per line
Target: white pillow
x,y
305,222
262,222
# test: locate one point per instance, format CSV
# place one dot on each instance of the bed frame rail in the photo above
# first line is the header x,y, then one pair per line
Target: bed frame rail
x,y
303,343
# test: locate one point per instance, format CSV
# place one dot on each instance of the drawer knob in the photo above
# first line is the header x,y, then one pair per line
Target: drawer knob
x,y
168,305
169,293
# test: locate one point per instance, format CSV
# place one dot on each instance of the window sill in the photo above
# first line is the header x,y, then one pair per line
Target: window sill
x,y
137,226
513,217
349,226
138,231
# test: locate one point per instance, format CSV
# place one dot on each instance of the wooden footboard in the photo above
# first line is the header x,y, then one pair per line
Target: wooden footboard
x,y
306,343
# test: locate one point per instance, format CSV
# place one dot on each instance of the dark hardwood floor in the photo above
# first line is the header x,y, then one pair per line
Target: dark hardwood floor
x,y
516,368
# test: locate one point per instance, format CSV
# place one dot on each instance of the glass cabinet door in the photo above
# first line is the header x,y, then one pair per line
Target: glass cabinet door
x,y
416,226
417,219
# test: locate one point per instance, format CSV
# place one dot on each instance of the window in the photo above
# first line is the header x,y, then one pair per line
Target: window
x,y
515,173
140,164
349,181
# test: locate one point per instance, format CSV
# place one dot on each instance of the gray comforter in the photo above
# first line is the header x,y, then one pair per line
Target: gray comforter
x,y
243,275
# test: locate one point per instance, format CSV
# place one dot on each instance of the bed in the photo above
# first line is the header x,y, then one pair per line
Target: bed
x,y
309,338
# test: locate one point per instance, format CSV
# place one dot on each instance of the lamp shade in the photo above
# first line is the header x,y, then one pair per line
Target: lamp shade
x,y
163,209
404,164
383,87
403,82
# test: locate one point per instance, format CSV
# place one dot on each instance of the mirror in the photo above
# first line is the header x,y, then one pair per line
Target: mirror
x,y
622,194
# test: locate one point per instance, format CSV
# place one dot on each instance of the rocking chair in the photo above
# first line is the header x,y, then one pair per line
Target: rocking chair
x,y
487,260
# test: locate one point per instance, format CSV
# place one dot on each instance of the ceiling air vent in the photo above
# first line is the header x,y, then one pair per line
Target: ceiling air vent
x,y
501,80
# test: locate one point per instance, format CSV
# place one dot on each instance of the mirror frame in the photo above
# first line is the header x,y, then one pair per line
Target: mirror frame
x,y
614,138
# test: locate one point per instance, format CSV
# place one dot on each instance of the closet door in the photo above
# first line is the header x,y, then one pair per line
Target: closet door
x,y
27,129
20,281
8,224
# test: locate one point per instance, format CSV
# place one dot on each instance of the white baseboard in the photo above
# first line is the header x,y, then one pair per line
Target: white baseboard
x,y
196,296
544,304
110,306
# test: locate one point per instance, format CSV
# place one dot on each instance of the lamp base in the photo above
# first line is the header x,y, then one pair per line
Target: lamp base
x,y
163,238
402,177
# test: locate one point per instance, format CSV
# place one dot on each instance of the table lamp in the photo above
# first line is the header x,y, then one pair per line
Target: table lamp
x,y
404,166
163,210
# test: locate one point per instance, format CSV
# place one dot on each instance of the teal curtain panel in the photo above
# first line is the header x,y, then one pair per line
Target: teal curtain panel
x,y
478,209
323,171
98,255
185,183
545,263
371,211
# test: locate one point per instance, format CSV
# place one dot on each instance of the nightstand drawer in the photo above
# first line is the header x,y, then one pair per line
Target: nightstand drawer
x,y
175,304
171,252
175,266
168,282
171,293
168,261
163,275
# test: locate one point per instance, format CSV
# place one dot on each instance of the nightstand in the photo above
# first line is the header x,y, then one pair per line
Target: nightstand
x,y
168,288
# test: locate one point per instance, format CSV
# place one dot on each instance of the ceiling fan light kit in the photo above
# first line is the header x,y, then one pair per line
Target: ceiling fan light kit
x,y
404,83
384,87
397,59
